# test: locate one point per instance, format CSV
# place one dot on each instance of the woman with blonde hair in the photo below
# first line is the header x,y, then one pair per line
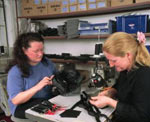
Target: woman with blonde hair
x,y
130,94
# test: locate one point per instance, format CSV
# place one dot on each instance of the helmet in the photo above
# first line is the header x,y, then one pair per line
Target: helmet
x,y
67,82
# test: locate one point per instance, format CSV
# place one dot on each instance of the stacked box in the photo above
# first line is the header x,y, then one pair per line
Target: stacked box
x,y
34,7
139,1
54,7
73,5
27,8
103,3
82,7
27,2
65,6
91,5
41,7
73,8
91,1
44,1
73,2
81,1
121,2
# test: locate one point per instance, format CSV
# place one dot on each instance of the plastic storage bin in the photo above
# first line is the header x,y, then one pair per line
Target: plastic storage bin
x,y
97,28
132,23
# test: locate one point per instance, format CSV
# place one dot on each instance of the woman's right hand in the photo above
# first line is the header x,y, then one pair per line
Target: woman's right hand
x,y
109,92
44,82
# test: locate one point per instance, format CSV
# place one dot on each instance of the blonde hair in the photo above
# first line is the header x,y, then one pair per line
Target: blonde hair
x,y
120,43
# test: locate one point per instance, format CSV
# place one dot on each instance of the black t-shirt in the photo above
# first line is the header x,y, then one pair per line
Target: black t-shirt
x,y
133,93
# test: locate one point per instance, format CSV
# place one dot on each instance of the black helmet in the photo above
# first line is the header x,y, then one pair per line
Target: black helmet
x,y
67,81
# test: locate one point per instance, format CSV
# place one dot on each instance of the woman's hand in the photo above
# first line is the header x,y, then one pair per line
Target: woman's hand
x,y
100,101
24,96
109,92
44,82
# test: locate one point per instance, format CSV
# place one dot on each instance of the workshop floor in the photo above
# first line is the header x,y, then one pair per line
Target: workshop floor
x,y
4,118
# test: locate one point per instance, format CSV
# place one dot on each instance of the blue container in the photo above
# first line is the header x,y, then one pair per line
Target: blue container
x,y
132,23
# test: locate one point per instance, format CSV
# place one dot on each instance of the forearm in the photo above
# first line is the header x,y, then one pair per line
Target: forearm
x,y
24,96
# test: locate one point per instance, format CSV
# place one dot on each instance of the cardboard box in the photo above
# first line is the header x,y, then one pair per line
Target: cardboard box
x,y
29,10
65,2
82,7
36,2
51,1
91,1
121,2
41,9
103,3
73,8
44,1
140,1
65,9
81,1
54,7
27,3
73,2
91,6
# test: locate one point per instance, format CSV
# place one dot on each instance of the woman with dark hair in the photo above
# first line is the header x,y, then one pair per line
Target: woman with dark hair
x,y
130,57
29,74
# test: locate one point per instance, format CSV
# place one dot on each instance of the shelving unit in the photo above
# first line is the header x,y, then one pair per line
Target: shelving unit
x,y
86,37
75,61
90,13
99,11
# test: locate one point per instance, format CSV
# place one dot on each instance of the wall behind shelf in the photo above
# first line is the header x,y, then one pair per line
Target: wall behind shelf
x,y
74,46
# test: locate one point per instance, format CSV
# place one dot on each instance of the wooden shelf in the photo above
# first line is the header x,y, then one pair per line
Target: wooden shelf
x,y
85,37
99,11
75,61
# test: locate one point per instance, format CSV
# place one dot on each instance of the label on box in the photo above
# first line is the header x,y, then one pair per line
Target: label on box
x,y
54,7
92,6
27,3
41,9
101,4
51,0
121,2
73,2
82,7
73,8
81,1
91,1
44,1
65,9
37,2
65,2
28,11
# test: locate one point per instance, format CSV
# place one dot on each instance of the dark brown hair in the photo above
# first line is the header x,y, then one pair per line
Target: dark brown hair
x,y
19,58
